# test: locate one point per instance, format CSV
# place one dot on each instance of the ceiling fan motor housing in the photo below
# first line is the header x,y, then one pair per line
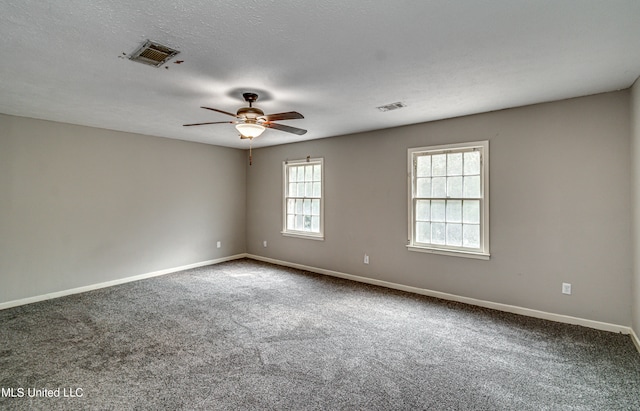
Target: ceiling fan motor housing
x,y
250,114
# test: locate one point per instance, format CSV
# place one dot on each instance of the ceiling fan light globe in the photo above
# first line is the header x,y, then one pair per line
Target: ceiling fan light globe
x,y
250,130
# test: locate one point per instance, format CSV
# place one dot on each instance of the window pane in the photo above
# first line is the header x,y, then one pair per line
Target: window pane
x,y
471,187
439,165
423,187
423,210
438,210
471,211
315,224
439,187
454,187
454,211
317,172
472,162
454,164
300,171
438,235
291,206
300,189
471,236
299,222
298,206
454,234
290,222
307,223
292,174
293,191
316,189
424,166
423,232
306,207
315,207
308,189
308,173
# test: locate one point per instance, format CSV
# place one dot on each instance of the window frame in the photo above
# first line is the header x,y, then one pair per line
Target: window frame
x,y
412,153
286,166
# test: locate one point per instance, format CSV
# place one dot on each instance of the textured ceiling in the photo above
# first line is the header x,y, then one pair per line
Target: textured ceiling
x,y
333,61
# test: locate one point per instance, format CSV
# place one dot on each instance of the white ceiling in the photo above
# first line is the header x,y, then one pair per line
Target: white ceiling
x,y
333,61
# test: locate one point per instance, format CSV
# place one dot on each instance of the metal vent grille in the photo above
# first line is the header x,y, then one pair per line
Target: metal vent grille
x,y
392,106
153,54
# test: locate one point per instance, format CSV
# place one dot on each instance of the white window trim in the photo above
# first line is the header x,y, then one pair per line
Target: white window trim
x,y
484,253
302,234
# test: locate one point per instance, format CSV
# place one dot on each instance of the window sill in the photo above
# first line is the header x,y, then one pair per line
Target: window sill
x,y
307,236
452,253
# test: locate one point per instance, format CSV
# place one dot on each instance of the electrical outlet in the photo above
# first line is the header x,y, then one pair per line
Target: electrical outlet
x,y
219,244
366,259
264,243
566,288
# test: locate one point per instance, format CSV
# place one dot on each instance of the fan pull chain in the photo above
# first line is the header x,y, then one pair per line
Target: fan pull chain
x,y
250,156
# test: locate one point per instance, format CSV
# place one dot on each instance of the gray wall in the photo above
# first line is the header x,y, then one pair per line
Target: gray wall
x,y
560,207
80,205
635,152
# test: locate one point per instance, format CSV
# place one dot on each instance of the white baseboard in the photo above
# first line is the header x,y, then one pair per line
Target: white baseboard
x,y
452,297
635,339
57,294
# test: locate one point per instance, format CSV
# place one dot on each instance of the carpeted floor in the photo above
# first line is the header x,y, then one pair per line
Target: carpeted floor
x,y
246,335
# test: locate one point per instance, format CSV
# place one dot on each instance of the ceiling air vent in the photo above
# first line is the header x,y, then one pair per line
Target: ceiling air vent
x,y
392,106
153,54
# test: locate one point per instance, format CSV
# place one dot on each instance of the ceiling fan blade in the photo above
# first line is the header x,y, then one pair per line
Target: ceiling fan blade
x,y
214,122
290,115
219,111
288,129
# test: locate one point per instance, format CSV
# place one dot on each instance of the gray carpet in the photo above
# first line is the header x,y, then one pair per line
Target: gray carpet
x,y
246,335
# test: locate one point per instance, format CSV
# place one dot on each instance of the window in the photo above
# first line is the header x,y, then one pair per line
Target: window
x,y
303,210
449,199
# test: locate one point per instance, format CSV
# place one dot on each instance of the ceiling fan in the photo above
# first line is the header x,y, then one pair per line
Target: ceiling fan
x,y
251,121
